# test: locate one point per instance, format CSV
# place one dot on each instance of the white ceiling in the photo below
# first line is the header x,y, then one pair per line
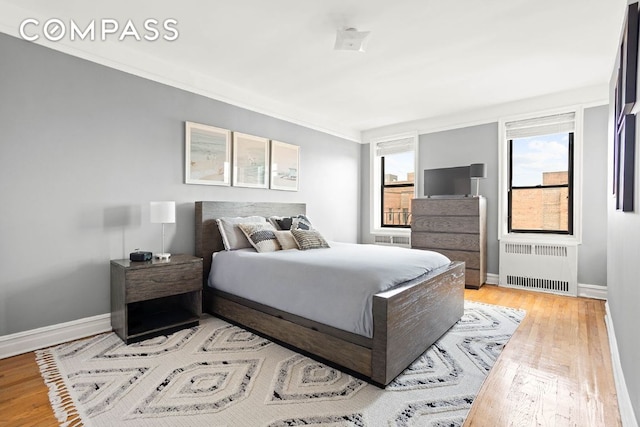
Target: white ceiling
x,y
425,58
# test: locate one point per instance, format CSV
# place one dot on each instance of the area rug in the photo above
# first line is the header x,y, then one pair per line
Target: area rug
x,y
217,374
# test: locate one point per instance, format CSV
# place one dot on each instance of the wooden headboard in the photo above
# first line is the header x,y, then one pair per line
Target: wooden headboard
x,y
208,239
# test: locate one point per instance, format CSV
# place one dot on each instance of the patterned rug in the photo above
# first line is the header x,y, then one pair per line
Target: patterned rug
x,y
217,374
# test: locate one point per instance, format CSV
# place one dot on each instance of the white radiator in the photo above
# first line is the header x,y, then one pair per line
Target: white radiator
x,y
404,241
540,267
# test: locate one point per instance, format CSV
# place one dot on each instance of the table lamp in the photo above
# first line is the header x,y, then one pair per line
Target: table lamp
x,y
477,171
163,213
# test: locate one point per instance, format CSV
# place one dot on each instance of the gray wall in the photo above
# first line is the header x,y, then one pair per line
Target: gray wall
x,y
461,147
592,254
623,275
84,148
479,144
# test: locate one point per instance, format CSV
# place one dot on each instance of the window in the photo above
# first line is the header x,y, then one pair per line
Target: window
x,y
540,174
393,184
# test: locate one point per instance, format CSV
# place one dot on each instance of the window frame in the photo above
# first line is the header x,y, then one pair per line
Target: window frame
x,y
568,185
504,194
384,186
377,181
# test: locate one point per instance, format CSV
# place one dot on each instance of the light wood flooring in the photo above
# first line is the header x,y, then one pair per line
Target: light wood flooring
x,y
555,370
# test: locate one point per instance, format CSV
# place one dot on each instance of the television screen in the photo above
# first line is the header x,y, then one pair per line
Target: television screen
x,y
447,181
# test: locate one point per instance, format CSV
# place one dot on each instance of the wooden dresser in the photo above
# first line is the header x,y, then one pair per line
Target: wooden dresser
x,y
455,227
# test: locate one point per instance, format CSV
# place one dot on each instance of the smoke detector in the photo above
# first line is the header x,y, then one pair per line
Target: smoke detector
x,y
351,39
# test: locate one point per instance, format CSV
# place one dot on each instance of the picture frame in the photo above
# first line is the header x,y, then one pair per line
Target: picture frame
x,y
625,173
207,155
628,78
285,166
250,161
625,96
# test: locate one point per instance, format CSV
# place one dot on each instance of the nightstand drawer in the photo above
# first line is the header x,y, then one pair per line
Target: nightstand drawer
x,y
146,284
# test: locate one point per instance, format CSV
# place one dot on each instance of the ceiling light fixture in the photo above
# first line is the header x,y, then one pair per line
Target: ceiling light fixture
x,y
351,39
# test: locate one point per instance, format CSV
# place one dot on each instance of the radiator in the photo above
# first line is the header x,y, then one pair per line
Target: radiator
x,y
540,267
404,241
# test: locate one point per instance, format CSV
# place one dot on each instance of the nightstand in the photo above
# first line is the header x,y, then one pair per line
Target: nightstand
x,y
157,297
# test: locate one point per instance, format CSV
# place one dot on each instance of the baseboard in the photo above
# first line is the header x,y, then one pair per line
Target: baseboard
x,y
592,291
493,279
624,400
24,342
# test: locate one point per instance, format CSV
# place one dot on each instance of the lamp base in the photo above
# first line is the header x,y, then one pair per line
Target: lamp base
x,y
162,255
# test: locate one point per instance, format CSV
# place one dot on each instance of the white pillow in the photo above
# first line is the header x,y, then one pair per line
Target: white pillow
x,y
286,240
232,237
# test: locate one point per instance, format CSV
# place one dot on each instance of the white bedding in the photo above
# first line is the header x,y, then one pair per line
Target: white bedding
x,y
333,286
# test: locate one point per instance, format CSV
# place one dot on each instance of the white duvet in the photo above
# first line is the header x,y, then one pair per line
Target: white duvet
x,y
333,286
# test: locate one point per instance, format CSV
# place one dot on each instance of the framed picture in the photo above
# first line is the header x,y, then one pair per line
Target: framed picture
x,y
207,155
285,166
250,160
628,63
625,123
625,166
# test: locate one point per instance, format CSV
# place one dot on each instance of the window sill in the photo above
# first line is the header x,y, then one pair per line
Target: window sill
x,y
541,238
391,232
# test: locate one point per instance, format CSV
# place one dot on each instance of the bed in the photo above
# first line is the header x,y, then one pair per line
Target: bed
x,y
407,318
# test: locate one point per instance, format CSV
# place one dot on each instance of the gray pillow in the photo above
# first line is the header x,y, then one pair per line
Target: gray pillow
x,y
291,222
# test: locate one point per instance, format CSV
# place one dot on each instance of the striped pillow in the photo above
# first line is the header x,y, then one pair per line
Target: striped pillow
x,y
291,222
261,236
309,239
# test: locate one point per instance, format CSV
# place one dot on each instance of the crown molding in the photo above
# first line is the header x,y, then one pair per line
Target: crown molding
x,y
586,97
123,57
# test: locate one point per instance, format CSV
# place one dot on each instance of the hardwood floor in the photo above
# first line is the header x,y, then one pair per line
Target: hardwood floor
x,y
24,399
555,370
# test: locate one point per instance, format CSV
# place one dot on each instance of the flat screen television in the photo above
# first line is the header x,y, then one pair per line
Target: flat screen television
x,y
447,182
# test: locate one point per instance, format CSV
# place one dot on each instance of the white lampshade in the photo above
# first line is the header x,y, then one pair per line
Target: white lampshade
x,y
163,212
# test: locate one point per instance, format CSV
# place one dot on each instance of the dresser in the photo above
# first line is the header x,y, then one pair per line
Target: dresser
x,y
457,228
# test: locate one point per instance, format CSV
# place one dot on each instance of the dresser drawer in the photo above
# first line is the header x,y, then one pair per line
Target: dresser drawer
x,y
458,207
144,284
446,224
470,259
435,241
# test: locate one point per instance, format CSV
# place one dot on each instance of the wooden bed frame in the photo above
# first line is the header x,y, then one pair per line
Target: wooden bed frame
x,y
407,319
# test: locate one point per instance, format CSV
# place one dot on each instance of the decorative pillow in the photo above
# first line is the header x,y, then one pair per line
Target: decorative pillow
x,y
286,240
291,222
309,239
261,236
232,237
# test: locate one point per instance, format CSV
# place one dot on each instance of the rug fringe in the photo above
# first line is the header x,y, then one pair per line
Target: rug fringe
x,y
61,401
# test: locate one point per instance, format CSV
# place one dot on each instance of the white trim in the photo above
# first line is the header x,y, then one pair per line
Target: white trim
x,y
627,415
119,56
401,232
503,233
588,97
592,291
34,339
493,279
374,183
